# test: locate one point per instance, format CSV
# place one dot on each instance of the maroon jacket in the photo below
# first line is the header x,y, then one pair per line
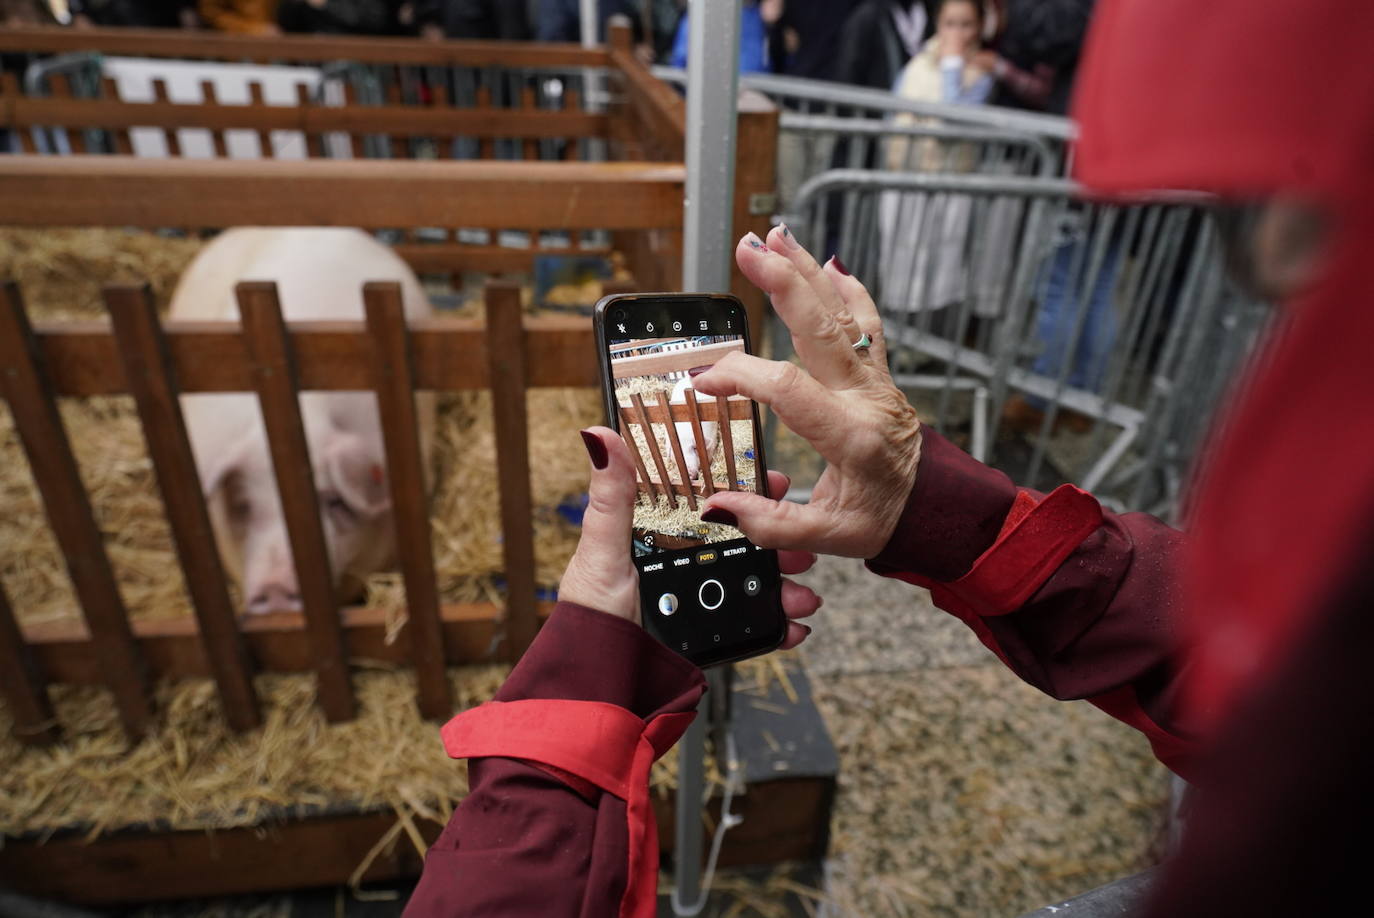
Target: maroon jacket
x,y
1079,602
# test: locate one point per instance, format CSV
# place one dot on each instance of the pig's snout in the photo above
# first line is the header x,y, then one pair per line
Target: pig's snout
x,y
275,597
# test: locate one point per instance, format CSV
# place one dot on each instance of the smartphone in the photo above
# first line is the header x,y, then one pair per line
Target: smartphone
x,y
705,590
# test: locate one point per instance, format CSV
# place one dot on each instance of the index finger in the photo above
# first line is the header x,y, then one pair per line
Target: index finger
x,y
821,339
808,408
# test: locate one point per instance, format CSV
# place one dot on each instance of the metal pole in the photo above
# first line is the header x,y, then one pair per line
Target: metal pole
x,y
712,89
587,9
708,242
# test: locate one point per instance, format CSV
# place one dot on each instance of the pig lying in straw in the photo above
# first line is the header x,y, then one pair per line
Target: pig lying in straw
x,y
688,439
319,274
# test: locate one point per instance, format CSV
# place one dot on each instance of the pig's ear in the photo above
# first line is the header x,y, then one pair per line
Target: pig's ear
x,y
358,474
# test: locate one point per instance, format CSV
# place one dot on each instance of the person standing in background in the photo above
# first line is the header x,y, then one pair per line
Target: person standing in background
x,y
877,40
805,38
753,39
1036,55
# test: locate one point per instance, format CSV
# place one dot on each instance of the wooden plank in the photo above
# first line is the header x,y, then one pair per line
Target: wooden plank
x,y
673,361
258,105
211,97
487,147
393,373
170,132
528,104
24,384
206,45
784,820
22,686
109,92
276,381
81,357
152,382
676,446
699,437
314,142
506,373
651,443
727,438
146,866
641,472
75,191
278,642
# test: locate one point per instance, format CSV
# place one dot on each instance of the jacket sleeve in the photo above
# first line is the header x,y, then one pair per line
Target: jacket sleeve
x,y
540,833
1077,601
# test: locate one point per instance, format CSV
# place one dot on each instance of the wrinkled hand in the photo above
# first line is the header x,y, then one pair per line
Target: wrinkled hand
x,y
602,575
840,400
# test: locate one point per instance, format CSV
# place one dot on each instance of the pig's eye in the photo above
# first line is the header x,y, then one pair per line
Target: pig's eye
x,y
339,509
239,509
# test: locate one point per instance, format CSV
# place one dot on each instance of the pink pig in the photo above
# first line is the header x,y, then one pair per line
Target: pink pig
x,y
319,274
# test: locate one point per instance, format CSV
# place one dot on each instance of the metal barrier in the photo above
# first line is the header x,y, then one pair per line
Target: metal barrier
x,y
1103,333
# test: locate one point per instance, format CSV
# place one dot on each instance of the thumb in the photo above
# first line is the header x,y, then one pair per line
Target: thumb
x,y
601,574
610,498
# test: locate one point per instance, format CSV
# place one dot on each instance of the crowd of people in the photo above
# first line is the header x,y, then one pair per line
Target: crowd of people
x,y
1020,52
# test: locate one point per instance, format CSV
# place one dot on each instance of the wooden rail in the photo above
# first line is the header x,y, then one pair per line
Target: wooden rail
x,y
125,191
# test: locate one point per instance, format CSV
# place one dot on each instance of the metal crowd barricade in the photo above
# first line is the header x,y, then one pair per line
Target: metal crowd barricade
x,y
1105,332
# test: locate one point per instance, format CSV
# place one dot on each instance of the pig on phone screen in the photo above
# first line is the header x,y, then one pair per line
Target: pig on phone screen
x,y
319,274
687,439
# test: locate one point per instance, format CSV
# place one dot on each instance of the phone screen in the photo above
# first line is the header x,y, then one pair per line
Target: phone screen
x,y
705,590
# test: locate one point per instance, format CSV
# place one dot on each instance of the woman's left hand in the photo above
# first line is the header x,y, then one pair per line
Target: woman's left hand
x,y
602,575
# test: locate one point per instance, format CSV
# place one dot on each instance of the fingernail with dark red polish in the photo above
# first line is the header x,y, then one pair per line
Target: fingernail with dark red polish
x,y
717,515
697,371
595,449
839,265
806,628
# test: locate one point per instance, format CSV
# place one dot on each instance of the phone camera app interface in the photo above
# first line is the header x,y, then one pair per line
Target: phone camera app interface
x,y
686,446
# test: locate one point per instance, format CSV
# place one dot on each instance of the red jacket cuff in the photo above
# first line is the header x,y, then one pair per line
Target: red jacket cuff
x,y
954,514
584,655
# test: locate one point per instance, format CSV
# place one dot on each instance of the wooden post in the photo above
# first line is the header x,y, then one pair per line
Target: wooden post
x,y
628,437
258,101
25,385
727,439
211,97
756,182
152,382
21,684
651,442
703,454
393,379
123,145
676,447
274,372
173,138
507,373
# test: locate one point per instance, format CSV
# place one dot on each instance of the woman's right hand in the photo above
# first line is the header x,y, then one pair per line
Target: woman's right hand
x,y
842,401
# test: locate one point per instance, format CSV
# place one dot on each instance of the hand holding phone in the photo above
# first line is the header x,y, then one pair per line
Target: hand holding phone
x,y
705,591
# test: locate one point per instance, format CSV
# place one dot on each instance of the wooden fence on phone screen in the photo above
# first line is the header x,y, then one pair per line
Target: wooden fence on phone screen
x,y
656,474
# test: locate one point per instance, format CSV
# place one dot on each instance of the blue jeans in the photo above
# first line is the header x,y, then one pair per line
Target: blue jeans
x,y
1059,313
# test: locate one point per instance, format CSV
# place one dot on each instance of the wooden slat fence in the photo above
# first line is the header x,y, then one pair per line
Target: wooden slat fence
x,y
156,363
